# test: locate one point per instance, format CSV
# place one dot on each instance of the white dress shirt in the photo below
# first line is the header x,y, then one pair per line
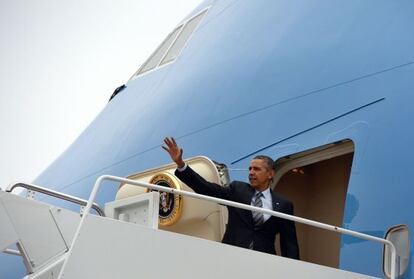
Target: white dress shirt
x,y
183,168
266,202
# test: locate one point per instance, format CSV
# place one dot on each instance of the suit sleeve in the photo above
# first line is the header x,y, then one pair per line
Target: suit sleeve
x,y
288,240
202,186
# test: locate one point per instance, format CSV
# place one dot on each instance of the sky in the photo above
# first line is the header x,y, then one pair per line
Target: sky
x,y
60,61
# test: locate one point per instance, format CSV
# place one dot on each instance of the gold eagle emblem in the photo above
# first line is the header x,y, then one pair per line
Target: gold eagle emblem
x,y
170,204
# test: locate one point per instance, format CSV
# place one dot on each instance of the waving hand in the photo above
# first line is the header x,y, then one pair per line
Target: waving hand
x,y
176,152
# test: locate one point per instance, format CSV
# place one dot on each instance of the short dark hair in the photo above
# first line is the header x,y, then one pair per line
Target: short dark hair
x,y
269,161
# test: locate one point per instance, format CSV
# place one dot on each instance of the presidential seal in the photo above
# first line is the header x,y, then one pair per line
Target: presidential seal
x,y
170,204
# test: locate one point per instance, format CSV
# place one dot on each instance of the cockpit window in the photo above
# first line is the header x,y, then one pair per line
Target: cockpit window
x,y
171,47
155,58
185,34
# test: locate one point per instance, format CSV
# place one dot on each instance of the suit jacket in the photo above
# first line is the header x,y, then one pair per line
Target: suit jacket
x,y
240,229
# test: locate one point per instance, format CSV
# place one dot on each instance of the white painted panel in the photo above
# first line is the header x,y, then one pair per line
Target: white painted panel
x,y
8,235
67,222
108,248
49,272
142,209
35,227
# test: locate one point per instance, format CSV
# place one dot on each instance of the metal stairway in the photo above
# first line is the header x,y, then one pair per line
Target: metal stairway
x,y
57,243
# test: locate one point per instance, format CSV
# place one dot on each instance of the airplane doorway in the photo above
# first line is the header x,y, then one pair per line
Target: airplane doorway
x,y
316,181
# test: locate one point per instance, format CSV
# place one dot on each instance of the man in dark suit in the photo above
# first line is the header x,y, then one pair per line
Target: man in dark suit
x,y
246,229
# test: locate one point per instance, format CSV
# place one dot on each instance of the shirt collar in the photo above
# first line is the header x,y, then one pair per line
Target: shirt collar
x,y
266,194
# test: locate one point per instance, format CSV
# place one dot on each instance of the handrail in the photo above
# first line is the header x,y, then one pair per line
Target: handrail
x,y
228,203
12,252
55,194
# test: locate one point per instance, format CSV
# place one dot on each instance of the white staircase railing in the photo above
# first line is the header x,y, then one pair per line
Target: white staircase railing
x,y
320,225
34,188
12,252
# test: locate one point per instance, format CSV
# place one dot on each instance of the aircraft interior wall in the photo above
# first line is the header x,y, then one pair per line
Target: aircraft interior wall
x,y
318,192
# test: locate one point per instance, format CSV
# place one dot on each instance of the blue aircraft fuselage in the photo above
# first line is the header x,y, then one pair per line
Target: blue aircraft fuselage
x,y
258,76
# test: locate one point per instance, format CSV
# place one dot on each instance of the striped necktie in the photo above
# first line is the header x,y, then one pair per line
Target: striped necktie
x,y
257,216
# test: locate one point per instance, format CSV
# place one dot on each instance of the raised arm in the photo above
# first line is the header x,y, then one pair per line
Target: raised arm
x,y
190,177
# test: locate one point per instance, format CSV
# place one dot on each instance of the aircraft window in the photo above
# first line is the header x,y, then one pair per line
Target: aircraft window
x,y
171,47
185,34
400,237
155,58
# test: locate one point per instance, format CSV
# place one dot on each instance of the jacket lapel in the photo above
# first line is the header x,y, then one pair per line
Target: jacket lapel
x,y
275,201
246,215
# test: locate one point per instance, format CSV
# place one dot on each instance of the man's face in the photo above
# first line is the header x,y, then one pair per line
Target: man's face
x,y
260,174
